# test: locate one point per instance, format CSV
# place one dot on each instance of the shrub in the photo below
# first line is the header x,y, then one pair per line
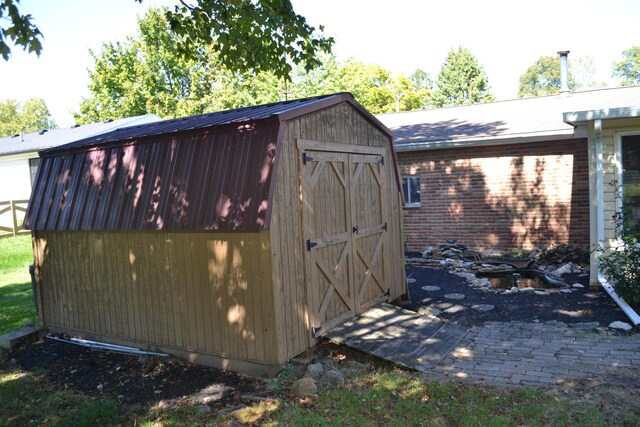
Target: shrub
x,y
621,263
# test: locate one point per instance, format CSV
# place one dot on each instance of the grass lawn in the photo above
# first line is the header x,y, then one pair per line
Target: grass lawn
x,y
16,298
387,397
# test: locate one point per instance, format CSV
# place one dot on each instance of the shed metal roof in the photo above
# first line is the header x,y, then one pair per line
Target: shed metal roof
x,y
518,120
284,110
37,141
207,172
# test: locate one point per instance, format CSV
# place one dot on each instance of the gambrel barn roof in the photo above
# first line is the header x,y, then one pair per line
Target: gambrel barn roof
x,y
206,172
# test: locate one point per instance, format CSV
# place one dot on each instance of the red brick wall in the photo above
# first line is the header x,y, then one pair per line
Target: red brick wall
x,y
503,197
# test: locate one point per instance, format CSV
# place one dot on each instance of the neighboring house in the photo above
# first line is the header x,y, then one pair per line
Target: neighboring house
x,y
19,153
517,174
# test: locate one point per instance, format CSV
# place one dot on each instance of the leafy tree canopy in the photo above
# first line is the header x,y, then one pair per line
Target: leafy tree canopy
x,y
19,30
31,116
142,75
543,78
628,69
461,80
248,35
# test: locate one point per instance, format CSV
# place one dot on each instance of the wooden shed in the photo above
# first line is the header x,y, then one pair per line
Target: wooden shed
x,y
233,239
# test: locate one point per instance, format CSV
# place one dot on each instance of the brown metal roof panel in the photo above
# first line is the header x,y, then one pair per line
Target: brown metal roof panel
x,y
213,179
236,116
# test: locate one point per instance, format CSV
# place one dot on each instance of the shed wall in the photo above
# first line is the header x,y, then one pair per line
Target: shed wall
x,y
206,294
341,124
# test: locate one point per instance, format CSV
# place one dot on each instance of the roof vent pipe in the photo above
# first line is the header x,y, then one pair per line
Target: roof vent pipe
x,y
564,71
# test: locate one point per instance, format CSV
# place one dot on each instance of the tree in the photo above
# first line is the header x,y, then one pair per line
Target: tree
x,y
543,77
142,75
31,116
461,80
20,30
629,67
249,35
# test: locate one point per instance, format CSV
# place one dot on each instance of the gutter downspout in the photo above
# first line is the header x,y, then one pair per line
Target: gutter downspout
x,y
630,312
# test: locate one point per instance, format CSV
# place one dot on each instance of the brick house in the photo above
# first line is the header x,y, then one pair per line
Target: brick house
x,y
515,174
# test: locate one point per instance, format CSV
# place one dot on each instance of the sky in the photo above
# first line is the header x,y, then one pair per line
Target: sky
x,y
506,37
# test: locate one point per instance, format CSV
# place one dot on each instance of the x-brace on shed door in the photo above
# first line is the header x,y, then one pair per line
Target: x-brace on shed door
x,y
345,225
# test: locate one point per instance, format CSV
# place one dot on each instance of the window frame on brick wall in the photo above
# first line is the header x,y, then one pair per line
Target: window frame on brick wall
x,y
406,187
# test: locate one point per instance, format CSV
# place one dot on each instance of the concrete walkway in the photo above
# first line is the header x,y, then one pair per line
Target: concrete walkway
x,y
535,354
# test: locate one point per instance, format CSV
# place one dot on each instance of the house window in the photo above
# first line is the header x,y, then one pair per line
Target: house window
x,y
33,168
631,182
411,189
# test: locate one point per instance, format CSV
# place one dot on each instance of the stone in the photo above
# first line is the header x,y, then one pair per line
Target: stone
x,y
410,280
304,387
566,291
469,277
314,370
332,378
514,290
620,326
470,253
577,286
203,409
454,296
565,269
429,311
19,336
586,326
541,292
271,385
482,307
527,289
327,362
430,288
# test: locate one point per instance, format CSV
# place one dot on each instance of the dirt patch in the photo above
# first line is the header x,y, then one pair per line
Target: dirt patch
x,y
127,378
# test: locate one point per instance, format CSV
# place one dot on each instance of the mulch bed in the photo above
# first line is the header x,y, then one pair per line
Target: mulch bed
x,y
581,305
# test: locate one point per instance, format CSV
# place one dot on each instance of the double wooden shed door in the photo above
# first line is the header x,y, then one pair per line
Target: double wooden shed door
x,y
345,228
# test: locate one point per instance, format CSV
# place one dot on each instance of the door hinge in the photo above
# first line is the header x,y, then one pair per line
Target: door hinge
x,y
382,160
388,293
314,331
310,245
385,227
306,158
355,229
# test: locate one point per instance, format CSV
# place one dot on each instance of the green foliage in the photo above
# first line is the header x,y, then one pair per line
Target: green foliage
x,y
461,81
543,77
628,69
621,263
20,30
16,297
143,75
31,116
250,36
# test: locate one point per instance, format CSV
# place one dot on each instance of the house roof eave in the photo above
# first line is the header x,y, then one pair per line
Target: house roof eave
x,y
578,132
582,117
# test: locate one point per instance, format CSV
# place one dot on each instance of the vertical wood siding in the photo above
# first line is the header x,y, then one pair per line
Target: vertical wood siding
x,y
341,124
205,293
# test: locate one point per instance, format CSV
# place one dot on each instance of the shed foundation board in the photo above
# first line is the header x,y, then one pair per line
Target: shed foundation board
x,y
248,367
400,336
